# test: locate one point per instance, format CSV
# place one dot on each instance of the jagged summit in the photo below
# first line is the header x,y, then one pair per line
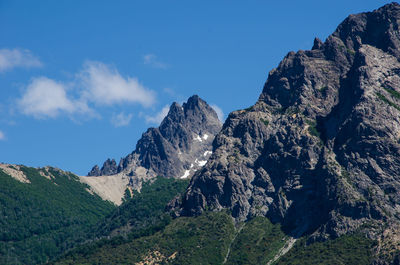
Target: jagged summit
x,y
109,168
331,59
177,148
319,151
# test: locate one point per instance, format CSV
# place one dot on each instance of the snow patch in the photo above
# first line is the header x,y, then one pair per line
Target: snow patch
x,y
202,162
186,174
207,153
191,165
198,138
205,136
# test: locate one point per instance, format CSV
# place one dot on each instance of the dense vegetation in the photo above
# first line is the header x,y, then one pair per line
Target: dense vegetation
x,y
196,240
41,219
258,242
213,239
145,212
348,249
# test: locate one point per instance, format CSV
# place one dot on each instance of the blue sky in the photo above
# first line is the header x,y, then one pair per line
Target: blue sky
x,y
80,81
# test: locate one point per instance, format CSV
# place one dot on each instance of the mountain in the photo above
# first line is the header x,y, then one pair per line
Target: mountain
x,y
319,152
176,149
307,175
44,212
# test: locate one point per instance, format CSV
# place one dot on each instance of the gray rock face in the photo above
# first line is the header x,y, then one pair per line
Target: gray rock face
x,y
319,151
177,148
95,171
109,168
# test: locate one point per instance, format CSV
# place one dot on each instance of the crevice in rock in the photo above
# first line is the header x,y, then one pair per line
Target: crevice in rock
x,y
349,95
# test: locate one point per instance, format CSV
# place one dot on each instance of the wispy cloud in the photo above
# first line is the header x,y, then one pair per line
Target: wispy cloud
x,y
219,112
151,59
169,91
2,136
121,119
46,98
104,85
10,59
158,117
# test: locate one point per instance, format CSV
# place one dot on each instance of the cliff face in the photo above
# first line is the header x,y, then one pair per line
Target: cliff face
x,y
319,151
176,149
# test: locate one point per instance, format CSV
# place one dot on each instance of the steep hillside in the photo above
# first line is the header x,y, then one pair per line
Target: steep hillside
x,y
319,152
176,149
44,212
212,238
354,249
144,212
143,215
201,240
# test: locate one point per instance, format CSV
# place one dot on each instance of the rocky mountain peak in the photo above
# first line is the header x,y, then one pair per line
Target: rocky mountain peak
x,y
181,140
319,151
378,28
175,114
330,61
177,148
196,104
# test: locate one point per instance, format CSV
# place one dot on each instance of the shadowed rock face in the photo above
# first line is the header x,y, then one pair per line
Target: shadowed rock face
x,y
109,168
319,151
177,148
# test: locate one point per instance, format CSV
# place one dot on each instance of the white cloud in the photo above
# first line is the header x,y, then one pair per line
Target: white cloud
x,y
151,59
96,85
46,98
157,119
105,86
10,59
219,112
121,119
2,136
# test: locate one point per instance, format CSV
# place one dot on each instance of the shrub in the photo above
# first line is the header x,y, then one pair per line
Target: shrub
x,y
312,128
